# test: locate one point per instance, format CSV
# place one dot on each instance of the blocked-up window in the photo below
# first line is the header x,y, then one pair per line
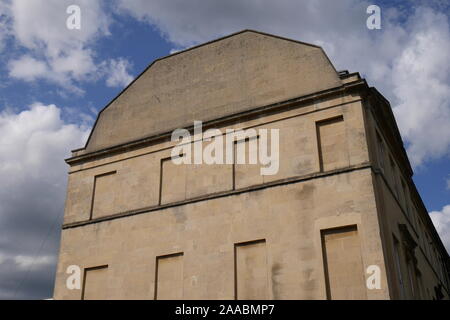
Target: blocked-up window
x,y
344,272
332,142
406,198
95,283
411,276
213,174
398,267
173,181
189,179
247,170
106,188
381,152
427,246
251,271
169,277
394,176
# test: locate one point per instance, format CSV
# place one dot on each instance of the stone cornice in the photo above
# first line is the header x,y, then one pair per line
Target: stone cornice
x,y
275,107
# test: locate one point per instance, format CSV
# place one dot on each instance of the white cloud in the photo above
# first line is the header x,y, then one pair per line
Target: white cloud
x,y
42,23
40,26
33,263
55,53
406,60
441,220
33,140
117,73
188,23
421,84
79,63
27,68
33,144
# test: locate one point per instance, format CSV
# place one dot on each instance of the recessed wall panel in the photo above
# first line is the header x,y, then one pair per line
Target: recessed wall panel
x,y
213,174
344,273
173,181
106,187
247,173
251,271
95,285
333,149
169,277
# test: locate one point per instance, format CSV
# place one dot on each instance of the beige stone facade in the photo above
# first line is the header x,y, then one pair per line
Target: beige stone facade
x,y
342,201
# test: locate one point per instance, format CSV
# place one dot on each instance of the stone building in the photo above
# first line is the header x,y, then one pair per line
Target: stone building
x,y
341,219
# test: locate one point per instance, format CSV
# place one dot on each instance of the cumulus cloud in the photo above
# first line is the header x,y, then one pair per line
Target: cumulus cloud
x,y
55,53
117,73
40,27
42,23
27,68
406,59
441,220
189,23
421,79
33,144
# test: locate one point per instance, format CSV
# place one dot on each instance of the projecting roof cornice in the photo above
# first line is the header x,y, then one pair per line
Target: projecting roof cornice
x,y
359,85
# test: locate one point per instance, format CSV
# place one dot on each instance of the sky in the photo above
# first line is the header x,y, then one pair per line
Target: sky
x,y
54,80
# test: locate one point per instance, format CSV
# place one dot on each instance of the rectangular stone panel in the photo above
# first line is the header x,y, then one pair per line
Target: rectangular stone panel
x,y
246,173
211,176
95,283
173,181
106,187
344,272
169,277
332,142
251,270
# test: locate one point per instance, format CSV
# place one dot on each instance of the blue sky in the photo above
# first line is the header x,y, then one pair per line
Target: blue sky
x,y
53,81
